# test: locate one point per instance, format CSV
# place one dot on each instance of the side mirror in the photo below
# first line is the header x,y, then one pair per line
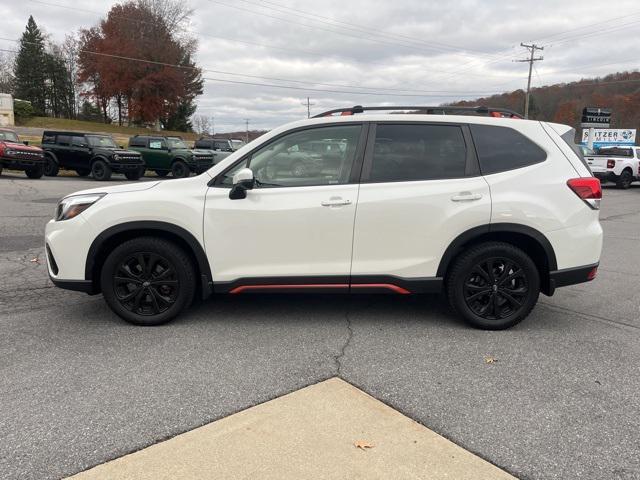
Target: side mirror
x,y
26,142
242,181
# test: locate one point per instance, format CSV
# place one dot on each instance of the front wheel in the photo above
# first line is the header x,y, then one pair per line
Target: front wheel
x,y
100,171
493,285
135,175
148,281
35,172
179,169
624,180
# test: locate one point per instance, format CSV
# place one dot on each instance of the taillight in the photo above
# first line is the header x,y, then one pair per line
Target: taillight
x,y
588,189
611,163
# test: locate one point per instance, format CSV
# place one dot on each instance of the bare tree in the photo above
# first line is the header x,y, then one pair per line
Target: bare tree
x,y
201,124
7,61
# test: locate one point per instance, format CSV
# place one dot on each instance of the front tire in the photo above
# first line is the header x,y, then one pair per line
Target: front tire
x,y
148,281
35,172
179,169
624,180
493,285
100,171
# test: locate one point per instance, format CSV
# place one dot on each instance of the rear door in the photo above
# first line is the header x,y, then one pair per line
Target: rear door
x,y
420,189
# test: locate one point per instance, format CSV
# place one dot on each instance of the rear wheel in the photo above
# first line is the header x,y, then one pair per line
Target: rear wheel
x,y
624,180
148,281
35,172
51,167
83,172
162,173
179,169
100,171
493,285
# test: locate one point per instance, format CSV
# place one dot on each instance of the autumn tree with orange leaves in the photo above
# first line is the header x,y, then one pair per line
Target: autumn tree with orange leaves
x,y
135,60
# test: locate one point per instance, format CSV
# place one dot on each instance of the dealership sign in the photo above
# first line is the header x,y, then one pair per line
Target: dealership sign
x,y
595,117
610,136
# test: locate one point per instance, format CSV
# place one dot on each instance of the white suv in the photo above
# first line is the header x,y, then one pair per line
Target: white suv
x,y
490,210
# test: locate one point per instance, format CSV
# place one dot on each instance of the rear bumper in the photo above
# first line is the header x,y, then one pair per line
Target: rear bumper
x,y
572,276
607,176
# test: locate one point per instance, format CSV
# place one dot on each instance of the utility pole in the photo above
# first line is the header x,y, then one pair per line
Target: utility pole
x,y
213,125
309,105
532,48
246,121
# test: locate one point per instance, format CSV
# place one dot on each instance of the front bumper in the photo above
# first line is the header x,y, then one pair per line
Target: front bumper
x,y
21,163
200,165
125,167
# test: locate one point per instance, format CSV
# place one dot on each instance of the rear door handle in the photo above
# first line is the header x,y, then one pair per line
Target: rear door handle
x,y
335,202
466,197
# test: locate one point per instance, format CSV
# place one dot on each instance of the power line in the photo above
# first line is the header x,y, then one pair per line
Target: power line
x,y
532,48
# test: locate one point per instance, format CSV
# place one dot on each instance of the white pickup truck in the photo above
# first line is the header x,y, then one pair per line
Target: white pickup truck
x,y
620,165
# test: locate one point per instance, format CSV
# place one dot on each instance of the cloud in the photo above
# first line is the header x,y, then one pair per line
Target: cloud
x,y
436,51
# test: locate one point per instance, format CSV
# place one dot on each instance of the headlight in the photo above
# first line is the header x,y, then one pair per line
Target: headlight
x,y
8,151
74,205
116,157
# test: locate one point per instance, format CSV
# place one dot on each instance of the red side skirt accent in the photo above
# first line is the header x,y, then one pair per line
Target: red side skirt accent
x,y
387,286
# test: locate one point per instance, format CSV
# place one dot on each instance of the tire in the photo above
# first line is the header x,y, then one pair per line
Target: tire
x,y
51,167
100,171
179,169
162,173
135,175
131,292
35,172
83,172
624,180
1,170
298,169
475,291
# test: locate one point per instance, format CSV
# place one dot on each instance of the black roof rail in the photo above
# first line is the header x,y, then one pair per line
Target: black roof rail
x,y
430,110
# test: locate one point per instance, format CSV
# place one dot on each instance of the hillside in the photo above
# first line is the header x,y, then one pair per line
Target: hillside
x,y
563,102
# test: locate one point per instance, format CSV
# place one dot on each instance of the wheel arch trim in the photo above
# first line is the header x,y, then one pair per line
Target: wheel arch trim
x,y
455,247
151,227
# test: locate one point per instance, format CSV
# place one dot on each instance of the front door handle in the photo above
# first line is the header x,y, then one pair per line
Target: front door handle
x,y
466,197
335,202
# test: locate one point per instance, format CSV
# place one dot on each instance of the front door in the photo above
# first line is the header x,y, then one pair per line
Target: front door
x,y
295,228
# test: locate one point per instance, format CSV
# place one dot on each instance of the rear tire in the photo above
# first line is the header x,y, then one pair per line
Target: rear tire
x,y
35,172
100,171
179,169
493,285
148,281
51,167
624,180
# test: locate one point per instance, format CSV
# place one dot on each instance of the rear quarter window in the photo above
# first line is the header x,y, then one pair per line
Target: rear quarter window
x,y
502,148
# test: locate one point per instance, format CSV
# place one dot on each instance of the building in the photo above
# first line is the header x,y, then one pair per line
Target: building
x,y
6,110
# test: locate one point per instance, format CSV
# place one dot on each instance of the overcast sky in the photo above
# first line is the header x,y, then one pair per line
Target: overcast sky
x,y
378,52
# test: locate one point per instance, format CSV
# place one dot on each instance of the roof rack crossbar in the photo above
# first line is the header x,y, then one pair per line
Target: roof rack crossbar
x,y
442,110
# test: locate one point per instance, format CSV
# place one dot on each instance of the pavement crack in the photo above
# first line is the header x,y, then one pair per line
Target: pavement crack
x,y
337,359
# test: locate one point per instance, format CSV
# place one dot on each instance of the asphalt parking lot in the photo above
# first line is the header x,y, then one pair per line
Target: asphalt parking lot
x,y
79,386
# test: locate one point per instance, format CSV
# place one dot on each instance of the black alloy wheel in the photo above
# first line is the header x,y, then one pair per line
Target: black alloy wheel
x,y
100,171
51,168
179,169
35,172
493,285
148,280
624,180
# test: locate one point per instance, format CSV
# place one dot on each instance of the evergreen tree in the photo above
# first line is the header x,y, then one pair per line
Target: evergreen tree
x,y
30,68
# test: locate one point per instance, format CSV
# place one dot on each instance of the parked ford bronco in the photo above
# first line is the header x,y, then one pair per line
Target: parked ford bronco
x,y
221,147
19,156
89,153
171,154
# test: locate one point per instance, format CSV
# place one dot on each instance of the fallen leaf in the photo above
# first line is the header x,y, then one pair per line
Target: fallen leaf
x,y
488,359
362,445
35,260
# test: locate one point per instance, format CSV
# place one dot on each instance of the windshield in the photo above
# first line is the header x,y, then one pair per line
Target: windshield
x,y
101,141
9,136
176,143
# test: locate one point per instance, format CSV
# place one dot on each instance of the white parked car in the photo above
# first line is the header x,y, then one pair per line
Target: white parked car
x,y
620,165
490,210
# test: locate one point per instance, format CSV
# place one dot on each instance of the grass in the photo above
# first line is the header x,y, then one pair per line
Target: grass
x,y
121,134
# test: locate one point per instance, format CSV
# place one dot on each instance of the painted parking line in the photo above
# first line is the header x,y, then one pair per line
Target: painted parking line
x,y
330,430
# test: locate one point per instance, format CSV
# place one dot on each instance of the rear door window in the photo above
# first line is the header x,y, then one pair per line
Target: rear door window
x,y
413,152
502,148
64,140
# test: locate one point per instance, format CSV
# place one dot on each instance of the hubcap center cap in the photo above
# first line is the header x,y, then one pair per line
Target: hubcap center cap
x,y
495,288
146,284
